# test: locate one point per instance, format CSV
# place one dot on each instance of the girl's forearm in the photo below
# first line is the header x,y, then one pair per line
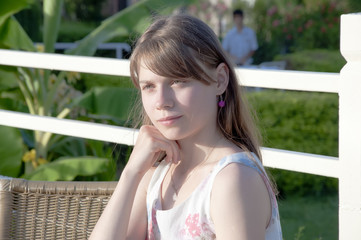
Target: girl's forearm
x,y
113,223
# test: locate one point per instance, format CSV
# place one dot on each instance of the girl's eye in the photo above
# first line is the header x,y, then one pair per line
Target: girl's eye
x,y
147,86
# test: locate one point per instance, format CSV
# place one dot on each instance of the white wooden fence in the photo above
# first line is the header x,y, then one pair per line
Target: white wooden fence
x,y
347,167
117,47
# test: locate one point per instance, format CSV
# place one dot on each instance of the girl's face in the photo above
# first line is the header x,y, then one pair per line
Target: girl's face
x,y
178,108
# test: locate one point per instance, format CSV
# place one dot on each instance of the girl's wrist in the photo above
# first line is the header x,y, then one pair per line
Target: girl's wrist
x,y
131,173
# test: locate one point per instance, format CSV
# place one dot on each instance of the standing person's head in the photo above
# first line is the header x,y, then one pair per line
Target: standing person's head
x,y
183,48
238,17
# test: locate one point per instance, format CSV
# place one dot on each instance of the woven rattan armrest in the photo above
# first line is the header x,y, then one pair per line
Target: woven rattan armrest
x,y
51,210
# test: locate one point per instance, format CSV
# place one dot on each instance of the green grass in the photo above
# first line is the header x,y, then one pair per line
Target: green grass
x,y
309,218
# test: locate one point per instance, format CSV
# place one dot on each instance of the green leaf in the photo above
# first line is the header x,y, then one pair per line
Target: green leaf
x,y
12,104
11,151
108,102
133,19
13,99
52,16
13,36
66,169
68,146
8,8
8,77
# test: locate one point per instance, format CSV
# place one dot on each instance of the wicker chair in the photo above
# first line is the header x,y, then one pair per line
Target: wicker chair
x,y
51,210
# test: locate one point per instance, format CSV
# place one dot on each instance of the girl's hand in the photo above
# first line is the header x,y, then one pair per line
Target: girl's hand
x,y
149,147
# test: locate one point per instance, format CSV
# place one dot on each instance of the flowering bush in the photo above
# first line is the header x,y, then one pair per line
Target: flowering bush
x,y
289,27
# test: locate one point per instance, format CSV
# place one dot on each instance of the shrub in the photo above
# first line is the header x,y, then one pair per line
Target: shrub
x,y
299,121
290,26
320,60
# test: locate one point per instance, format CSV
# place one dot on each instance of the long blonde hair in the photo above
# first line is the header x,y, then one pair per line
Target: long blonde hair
x,y
181,46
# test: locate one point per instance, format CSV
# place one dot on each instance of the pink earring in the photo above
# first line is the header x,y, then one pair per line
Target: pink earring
x,y
221,103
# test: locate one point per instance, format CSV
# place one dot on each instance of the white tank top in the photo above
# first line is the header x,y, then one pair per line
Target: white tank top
x,y
191,219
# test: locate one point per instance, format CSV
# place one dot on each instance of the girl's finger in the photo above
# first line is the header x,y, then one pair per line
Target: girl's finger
x,y
175,156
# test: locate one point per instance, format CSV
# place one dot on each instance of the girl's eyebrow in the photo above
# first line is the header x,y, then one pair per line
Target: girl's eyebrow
x,y
145,81
152,81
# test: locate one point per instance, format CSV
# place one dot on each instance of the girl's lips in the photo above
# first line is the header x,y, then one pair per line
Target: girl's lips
x,y
168,120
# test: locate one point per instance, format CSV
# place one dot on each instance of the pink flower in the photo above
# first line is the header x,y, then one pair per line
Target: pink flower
x,y
332,7
323,29
275,23
272,11
221,7
308,24
289,37
192,9
298,8
288,17
299,29
323,7
208,17
204,5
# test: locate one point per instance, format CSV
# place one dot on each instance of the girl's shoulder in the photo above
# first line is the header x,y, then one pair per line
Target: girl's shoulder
x,y
240,168
231,153
239,185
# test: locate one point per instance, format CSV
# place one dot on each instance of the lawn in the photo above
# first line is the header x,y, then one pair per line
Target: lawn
x,y
309,218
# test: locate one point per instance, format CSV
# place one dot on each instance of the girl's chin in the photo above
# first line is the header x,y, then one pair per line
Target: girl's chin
x,y
171,134
172,137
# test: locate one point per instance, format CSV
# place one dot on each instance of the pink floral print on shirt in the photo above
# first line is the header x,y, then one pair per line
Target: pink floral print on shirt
x,y
196,228
193,225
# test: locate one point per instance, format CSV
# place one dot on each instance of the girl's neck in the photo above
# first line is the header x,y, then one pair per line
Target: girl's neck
x,y
194,151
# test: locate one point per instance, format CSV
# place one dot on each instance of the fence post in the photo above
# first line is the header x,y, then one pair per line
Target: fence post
x,y
350,129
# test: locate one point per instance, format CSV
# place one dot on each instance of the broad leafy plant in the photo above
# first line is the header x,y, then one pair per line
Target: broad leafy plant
x,y
47,93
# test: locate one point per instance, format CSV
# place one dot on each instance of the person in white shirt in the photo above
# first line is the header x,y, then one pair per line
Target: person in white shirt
x,y
241,41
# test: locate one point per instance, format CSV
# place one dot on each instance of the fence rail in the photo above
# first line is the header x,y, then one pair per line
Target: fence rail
x,y
98,65
275,158
118,47
265,78
289,80
347,168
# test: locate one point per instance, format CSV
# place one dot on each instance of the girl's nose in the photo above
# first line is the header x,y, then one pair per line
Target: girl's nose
x,y
164,99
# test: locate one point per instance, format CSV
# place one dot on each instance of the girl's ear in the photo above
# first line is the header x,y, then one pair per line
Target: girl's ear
x,y
222,72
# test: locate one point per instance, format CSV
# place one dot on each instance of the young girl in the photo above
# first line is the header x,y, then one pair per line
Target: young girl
x,y
210,183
